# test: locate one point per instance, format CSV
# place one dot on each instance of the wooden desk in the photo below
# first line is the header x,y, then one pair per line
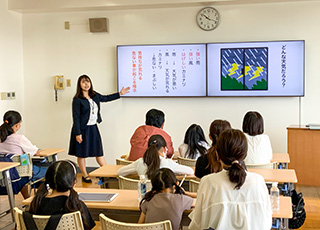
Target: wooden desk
x,y
51,154
270,175
4,169
304,150
280,157
125,207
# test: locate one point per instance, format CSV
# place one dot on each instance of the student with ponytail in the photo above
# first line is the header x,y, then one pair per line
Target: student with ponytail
x,y
166,201
57,196
13,143
232,198
153,159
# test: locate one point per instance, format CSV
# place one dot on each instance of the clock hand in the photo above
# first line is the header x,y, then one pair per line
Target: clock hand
x,y
207,17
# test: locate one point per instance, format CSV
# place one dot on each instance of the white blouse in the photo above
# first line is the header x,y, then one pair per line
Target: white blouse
x,y
259,149
140,168
18,144
93,113
220,206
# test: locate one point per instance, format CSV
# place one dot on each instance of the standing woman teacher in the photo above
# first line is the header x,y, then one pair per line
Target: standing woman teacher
x,y
85,140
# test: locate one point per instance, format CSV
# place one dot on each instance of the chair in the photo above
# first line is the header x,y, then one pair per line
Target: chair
x,y
131,184
193,185
109,224
273,165
187,161
120,161
68,221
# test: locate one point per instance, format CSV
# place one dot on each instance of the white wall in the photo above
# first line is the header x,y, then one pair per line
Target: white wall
x,y
50,50
11,59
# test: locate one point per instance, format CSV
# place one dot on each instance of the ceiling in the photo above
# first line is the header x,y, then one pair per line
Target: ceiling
x,y
39,6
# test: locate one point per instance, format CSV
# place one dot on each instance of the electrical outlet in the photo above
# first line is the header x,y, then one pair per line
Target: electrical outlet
x,y
3,96
13,95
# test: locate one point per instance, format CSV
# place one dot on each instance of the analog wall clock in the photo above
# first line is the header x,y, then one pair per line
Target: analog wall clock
x,y
208,18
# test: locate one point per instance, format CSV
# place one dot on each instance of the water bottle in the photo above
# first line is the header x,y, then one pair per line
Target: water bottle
x,y
142,187
274,195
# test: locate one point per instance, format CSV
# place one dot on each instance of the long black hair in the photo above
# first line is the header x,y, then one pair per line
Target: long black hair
x,y
10,118
193,138
232,147
162,179
151,155
79,93
60,176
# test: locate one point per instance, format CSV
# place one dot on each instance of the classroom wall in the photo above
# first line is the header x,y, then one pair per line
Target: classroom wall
x,y
11,59
50,50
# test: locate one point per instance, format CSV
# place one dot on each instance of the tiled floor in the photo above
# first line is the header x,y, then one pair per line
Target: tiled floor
x,y
311,196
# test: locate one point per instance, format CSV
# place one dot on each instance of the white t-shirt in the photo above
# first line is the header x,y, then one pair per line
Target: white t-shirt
x,y
18,144
259,149
140,168
222,207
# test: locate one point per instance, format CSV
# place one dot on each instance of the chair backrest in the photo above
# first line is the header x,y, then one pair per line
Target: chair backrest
x,y
120,161
187,161
131,184
193,185
67,222
273,165
109,224
23,170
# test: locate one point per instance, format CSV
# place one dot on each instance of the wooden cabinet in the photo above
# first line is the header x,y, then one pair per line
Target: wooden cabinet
x,y
304,152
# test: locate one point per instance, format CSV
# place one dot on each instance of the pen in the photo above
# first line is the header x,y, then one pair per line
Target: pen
x,y
183,180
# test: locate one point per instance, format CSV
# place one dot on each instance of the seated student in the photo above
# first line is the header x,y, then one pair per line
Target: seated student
x,y
209,163
154,125
259,146
195,144
57,196
153,159
166,201
13,143
232,198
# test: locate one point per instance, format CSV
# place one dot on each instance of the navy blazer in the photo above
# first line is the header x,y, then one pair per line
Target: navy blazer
x,y
81,110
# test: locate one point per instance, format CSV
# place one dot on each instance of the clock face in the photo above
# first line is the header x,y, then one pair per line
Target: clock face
x,y
208,18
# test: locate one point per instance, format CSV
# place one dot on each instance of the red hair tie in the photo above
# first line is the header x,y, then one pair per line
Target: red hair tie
x,y
6,121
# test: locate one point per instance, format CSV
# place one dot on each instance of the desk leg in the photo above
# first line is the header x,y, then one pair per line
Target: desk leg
x,y
53,158
7,181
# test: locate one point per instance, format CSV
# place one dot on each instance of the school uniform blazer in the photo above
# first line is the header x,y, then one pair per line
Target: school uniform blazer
x,y
81,110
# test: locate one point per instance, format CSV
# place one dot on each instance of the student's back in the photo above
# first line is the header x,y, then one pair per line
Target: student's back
x,y
153,126
223,207
57,196
259,145
233,198
166,200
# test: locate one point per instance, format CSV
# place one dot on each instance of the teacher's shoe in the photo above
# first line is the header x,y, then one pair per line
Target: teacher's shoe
x,y
86,179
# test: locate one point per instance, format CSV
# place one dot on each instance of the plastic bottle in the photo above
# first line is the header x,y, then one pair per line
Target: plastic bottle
x,y
142,187
274,195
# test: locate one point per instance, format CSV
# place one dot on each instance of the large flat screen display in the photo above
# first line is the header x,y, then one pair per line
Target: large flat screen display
x,y
162,70
273,68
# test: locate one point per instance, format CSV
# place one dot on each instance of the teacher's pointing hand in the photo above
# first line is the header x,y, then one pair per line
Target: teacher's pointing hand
x,y
124,91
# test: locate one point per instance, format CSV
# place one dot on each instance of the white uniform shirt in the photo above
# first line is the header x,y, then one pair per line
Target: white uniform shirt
x,y
259,149
222,207
140,168
183,148
18,144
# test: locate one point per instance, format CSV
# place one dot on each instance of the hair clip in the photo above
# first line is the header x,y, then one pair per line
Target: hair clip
x,y
6,121
48,189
